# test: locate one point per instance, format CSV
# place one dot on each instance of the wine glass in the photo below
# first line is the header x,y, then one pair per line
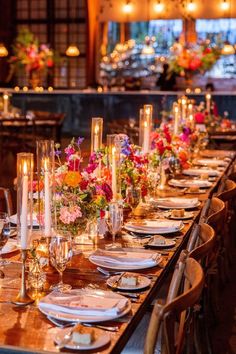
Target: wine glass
x,y
114,222
60,254
133,196
4,236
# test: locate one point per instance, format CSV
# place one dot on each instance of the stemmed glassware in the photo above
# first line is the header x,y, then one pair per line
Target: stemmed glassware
x,y
133,196
114,222
60,254
4,236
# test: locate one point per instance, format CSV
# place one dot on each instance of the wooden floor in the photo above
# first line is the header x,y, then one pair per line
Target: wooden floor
x,y
224,333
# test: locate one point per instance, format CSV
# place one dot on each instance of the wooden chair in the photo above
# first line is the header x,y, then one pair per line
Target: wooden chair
x,y
216,272
228,195
6,201
164,318
201,248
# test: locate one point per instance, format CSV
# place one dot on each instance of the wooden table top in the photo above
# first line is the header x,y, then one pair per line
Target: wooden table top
x,y
26,329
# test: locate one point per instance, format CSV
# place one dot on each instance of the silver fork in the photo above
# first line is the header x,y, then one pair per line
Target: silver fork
x,y
62,324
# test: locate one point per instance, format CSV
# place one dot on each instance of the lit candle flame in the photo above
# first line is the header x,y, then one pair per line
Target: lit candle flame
x,y
113,150
96,129
5,96
145,124
25,168
208,96
46,163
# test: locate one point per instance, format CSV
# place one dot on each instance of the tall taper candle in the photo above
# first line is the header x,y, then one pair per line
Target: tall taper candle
x,y
24,210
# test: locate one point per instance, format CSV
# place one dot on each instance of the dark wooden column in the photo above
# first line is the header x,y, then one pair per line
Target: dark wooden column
x,y
7,33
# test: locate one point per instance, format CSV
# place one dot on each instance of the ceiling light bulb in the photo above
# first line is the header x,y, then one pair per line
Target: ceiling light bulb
x,y
158,7
128,8
191,6
225,5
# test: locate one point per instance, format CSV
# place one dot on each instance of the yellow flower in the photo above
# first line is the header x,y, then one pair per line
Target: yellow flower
x,y
72,179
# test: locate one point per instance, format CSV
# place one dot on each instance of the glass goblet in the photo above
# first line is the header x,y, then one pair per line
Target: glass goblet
x,y
4,236
60,254
133,196
114,222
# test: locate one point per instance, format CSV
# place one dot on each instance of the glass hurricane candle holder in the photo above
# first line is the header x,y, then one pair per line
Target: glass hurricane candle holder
x,y
96,134
145,127
45,171
24,198
113,155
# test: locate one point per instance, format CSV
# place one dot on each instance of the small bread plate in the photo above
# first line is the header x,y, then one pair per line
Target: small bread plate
x,y
187,215
101,339
154,244
142,282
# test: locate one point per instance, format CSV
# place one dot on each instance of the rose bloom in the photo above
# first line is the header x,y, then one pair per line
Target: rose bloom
x,y
72,179
70,214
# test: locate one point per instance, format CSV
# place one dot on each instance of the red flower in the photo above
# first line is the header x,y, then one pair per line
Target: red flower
x,y
83,185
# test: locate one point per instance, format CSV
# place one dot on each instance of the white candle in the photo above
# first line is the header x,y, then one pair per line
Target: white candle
x,y
176,119
47,209
145,137
24,210
183,102
191,121
5,103
96,137
113,172
190,109
208,102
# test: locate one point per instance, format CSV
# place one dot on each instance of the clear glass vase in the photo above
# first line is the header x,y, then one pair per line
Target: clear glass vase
x,y
162,180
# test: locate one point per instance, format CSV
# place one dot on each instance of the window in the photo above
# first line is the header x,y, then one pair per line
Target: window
x,y
59,23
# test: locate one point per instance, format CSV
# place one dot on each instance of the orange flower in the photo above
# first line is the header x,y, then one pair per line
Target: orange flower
x,y
72,179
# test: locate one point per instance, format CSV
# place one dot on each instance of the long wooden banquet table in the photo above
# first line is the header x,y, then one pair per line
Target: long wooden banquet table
x,y
27,330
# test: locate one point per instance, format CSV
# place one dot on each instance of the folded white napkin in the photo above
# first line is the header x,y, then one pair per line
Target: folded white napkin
x,y
178,202
83,303
158,225
211,162
189,183
13,219
125,258
200,171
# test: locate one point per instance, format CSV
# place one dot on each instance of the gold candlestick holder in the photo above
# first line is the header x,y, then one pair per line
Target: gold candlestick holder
x,y
23,298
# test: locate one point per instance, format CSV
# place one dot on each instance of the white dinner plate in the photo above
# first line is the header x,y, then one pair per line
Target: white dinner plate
x,y
153,231
9,248
13,220
185,183
121,267
201,171
210,162
168,243
160,205
101,338
85,318
143,282
187,215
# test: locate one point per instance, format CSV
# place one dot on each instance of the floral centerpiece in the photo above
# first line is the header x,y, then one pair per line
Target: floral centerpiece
x,y
30,58
80,195
133,167
187,61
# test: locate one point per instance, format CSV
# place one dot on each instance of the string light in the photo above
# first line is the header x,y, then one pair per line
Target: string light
x,y
158,6
128,8
225,5
191,6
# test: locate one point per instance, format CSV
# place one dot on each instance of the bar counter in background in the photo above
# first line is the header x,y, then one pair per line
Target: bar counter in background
x,y
80,106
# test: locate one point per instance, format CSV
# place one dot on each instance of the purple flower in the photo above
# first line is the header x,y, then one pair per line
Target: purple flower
x,y
79,141
57,153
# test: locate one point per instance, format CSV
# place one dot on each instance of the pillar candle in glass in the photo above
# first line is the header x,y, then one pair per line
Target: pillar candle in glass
x,y
45,175
183,108
176,117
208,103
113,154
5,103
96,134
24,198
145,127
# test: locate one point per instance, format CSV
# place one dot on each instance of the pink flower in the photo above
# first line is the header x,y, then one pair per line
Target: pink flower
x,y
70,214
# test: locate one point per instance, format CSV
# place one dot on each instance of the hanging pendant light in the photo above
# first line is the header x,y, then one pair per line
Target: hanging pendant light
x,y
3,50
72,51
228,49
